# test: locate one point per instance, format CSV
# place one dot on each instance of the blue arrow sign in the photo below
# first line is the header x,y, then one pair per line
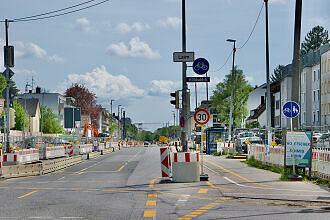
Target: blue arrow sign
x,y
291,109
201,66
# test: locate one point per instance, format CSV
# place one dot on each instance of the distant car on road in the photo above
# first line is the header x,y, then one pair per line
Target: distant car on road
x,y
146,143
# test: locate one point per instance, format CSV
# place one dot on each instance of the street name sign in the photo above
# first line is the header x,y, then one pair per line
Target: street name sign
x,y
202,116
201,66
183,56
291,109
198,79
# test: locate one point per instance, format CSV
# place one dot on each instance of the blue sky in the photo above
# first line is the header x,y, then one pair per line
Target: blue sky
x,y
123,49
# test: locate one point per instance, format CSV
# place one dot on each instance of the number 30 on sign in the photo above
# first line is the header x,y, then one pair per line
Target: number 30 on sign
x,y
202,116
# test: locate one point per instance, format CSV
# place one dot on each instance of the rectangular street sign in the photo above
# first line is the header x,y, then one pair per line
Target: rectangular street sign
x,y
183,57
198,79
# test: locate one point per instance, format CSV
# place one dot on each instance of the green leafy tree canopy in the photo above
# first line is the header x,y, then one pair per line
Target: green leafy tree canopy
x,y
221,98
314,39
51,123
278,73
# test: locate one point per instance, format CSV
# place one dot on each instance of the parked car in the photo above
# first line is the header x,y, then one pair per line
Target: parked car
x,y
241,138
316,137
323,141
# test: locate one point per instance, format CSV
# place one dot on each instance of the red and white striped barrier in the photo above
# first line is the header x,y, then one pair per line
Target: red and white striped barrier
x,y
165,160
186,157
23,156
69,150
223,147
0,160
54,152
85,148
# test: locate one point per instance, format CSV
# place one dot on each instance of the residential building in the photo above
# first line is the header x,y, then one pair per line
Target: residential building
x,y
32,113
54,101
325,86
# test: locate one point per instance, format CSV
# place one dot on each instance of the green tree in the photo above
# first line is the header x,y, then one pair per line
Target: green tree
x,y
3,84
51,123
253,124
314,39
19,117
278,73
221,98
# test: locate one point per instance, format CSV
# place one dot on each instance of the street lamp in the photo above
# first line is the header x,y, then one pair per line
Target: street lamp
x,y
111,117
232,89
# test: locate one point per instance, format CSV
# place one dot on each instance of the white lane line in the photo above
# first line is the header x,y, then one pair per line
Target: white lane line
x,y
60,178
72,217
182,200
232,181
40,217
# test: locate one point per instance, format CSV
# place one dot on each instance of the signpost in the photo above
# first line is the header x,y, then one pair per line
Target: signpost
x,y
198,79
202,116
201,66
183,56
291,110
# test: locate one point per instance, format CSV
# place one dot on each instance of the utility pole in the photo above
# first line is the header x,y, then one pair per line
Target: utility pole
x,y
7,130
184,112
111,117
232,90
124,125
268,100
296,60
121,123
118,123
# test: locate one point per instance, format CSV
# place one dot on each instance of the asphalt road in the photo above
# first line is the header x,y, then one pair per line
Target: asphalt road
x,y
126,185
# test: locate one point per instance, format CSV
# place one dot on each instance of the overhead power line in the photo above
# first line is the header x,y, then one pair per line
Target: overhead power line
x,y
224,63
41,16
254,26
51,12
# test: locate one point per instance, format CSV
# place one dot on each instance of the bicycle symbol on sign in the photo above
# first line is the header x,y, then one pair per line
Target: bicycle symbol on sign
x,y
200,65
287,110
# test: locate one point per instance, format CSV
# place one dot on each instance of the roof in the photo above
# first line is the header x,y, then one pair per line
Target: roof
x,y
29,105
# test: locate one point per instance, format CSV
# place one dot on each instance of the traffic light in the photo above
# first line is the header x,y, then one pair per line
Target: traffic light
x,y
177,99
8,56
11,96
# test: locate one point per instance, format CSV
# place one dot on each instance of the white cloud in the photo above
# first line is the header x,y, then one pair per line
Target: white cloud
x,y
173,22
124,28
249,79
135,48
32,50
83,24
160,87
104,84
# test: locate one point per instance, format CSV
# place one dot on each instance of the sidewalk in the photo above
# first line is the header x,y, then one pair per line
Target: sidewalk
x,y
249,182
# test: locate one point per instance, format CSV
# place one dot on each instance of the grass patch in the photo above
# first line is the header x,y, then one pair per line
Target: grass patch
x,y
255,163
216,153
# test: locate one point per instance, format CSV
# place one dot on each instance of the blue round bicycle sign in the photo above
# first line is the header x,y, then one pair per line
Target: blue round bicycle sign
x,y
291,109
201,66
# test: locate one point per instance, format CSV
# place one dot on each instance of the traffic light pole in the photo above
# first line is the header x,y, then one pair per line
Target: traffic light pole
x,y
184,112
7,127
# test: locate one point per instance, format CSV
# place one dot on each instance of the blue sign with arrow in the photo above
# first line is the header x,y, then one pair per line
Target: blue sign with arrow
x,y
291,109
201,66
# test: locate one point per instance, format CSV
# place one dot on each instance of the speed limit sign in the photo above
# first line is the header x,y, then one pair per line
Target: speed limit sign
x,y
202,116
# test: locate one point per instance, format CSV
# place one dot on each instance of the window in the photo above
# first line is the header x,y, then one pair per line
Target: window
x,y
328,108
314,75
314,117
328,86
318,116
277,120
318,95
319,75
314,94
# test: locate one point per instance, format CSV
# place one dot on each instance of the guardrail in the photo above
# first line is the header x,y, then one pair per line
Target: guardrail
x,y
275,156
46,166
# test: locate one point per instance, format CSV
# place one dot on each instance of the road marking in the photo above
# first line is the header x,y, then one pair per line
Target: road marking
x,y
199,211
148,214
203,191
235,174
232,181
216,187
183,199
61,178
151,203
152,182
152,195
30,193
